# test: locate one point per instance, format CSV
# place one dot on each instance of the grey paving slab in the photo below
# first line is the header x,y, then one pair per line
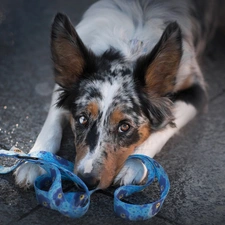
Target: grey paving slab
x,y
196,169
194,159
14,201
95,215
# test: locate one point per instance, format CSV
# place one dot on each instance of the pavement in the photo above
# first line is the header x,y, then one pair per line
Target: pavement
x,y
194,159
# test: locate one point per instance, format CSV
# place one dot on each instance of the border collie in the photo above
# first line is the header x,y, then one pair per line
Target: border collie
x,y
127,79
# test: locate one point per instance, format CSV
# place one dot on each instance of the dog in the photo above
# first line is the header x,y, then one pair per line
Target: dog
x,y
127,80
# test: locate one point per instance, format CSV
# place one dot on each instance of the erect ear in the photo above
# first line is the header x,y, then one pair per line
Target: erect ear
x,y
69,54
157,70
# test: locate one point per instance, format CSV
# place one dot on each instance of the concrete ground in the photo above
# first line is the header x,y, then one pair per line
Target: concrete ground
x,y
194,159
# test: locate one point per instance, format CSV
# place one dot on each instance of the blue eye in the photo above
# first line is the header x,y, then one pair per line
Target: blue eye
x,y
83,120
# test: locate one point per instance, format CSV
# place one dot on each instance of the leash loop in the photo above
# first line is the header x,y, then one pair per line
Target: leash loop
x,y
142,212
50,194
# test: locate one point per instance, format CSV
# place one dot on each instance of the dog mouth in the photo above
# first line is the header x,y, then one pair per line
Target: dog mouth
x,y
91,181
99,180
96,182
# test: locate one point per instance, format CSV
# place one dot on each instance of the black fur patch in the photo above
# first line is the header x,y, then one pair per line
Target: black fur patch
x,y
67,97
111,55
129,138
159,113
105,154
92,137
194,95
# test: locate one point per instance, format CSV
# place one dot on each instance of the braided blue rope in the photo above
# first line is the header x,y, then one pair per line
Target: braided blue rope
x,y
49,192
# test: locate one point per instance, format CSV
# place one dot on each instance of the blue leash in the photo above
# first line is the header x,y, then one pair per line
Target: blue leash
x,y
49,191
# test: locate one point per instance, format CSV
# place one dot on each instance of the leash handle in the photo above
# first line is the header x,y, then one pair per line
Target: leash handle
x,y
48,187
50,194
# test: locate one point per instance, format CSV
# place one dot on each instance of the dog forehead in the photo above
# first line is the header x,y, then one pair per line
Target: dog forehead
x,y
108,87
110,96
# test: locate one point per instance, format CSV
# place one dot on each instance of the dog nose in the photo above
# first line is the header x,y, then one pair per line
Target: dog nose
x,y
91,181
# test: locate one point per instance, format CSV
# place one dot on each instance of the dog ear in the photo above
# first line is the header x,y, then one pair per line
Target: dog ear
x,y
156,73
157,70
69,54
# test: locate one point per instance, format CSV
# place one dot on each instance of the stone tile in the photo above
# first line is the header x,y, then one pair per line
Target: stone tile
x,y
14,201
100,212
194,161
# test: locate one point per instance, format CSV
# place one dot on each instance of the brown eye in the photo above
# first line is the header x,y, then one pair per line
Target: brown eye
x,y
82,120
124,127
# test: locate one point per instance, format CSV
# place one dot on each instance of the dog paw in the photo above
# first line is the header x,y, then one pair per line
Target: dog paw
x,y
133,172
26,174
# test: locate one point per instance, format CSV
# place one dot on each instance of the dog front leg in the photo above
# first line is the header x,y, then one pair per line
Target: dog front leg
x,y
134,170
49,139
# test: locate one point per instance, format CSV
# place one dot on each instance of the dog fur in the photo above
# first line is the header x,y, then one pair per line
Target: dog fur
x,y
128,79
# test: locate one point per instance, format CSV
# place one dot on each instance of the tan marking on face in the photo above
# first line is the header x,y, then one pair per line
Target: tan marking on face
x,y
93,109
115,160
112,165
144,132
116,117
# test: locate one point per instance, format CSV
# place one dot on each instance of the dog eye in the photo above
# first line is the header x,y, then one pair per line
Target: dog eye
x,y
124,127
83,120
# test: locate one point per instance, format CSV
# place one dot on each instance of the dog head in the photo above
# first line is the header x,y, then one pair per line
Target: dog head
x,y
114,104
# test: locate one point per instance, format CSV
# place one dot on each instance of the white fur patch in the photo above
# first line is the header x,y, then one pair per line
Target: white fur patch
x,y
49,140
88,166
87,163
133,172
27,173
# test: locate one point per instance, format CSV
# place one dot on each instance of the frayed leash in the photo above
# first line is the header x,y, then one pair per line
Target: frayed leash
x,y
50,194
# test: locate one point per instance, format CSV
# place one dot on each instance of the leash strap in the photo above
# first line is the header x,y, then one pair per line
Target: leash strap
x,y
50,194
144,211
